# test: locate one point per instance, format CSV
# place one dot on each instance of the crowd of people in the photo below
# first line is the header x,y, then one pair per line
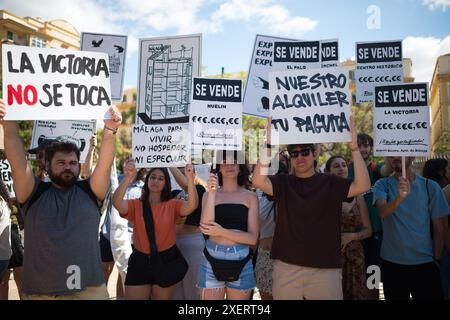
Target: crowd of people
x,y
293,232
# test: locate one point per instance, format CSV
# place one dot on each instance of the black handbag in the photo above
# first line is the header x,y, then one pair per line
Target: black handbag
x,y
166,271
227,270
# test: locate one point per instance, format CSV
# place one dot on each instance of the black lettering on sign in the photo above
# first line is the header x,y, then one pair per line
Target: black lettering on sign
x,y
25,63
305,51
378,52
73,65
322,123
405,95
329,51
218,90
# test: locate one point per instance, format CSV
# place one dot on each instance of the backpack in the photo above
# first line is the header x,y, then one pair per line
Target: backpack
x,y
44,186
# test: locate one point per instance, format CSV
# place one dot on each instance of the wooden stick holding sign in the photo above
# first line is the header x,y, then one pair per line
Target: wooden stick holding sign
x,y
404,167
213,165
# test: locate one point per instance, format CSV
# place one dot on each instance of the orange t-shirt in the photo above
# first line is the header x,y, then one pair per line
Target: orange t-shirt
x,y
164,217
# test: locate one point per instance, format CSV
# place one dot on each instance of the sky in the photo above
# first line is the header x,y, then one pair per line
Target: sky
x,y
229,27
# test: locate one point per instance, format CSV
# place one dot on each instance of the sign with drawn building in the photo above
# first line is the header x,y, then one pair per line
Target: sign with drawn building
x,y
116,48
166,68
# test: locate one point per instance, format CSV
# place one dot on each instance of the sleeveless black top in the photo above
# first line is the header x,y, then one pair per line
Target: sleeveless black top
x,y
232,216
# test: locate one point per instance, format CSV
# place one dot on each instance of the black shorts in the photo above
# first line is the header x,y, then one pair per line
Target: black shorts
x,y
105,249
16,259
139,271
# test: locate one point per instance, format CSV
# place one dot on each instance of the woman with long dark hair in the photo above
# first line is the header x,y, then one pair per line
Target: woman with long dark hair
x,y
143,280
355,226
230,221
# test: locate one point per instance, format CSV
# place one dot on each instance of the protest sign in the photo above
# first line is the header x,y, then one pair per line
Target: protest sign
x,y
377,64
116,48
55,84
166,68
256,96
401,120
163,145
5,170
329,50
201,171
216,114
302,55
310,106
78,132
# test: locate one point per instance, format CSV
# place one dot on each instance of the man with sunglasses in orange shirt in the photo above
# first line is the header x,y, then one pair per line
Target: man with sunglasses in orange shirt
x,y
307,239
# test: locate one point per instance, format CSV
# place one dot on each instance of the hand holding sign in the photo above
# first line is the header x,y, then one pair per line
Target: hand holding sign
x,y
130,169
189,171
403,188
116,119
212,183
93,141
264,157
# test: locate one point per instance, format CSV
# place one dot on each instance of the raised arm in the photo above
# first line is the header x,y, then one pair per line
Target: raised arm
x,y
192,203
100,180
361,183
86,167
179,178
260,179
21,171
130,174
209,199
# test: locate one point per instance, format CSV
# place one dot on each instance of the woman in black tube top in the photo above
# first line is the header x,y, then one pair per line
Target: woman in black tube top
x,y
230,223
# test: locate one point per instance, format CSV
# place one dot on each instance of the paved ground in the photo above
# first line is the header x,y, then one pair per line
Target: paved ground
x,y
14,295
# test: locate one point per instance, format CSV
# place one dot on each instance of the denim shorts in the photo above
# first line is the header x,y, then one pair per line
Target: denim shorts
x,y
206,278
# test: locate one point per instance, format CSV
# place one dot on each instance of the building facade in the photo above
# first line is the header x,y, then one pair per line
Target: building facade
x,y
440,104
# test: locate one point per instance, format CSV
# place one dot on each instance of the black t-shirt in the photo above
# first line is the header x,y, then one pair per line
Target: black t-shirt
x,y
307,231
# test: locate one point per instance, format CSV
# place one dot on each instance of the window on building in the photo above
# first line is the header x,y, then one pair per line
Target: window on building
x,y
9,35
38,42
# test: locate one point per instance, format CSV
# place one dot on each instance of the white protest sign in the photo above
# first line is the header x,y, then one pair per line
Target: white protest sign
x,y
377,64
256,96
116,48
329,50
78,132
163,145
216,114
201,170
401,120
5,170
302,55
310,106
166,68
55,84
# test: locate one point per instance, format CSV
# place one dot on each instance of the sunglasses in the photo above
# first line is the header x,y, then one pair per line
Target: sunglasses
x,y
302,152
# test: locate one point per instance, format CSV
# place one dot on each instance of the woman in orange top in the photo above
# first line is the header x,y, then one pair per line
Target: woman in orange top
x,y
141,281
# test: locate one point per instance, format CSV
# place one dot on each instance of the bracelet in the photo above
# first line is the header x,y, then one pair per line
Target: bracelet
x,y
114,131
355,149
268,146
